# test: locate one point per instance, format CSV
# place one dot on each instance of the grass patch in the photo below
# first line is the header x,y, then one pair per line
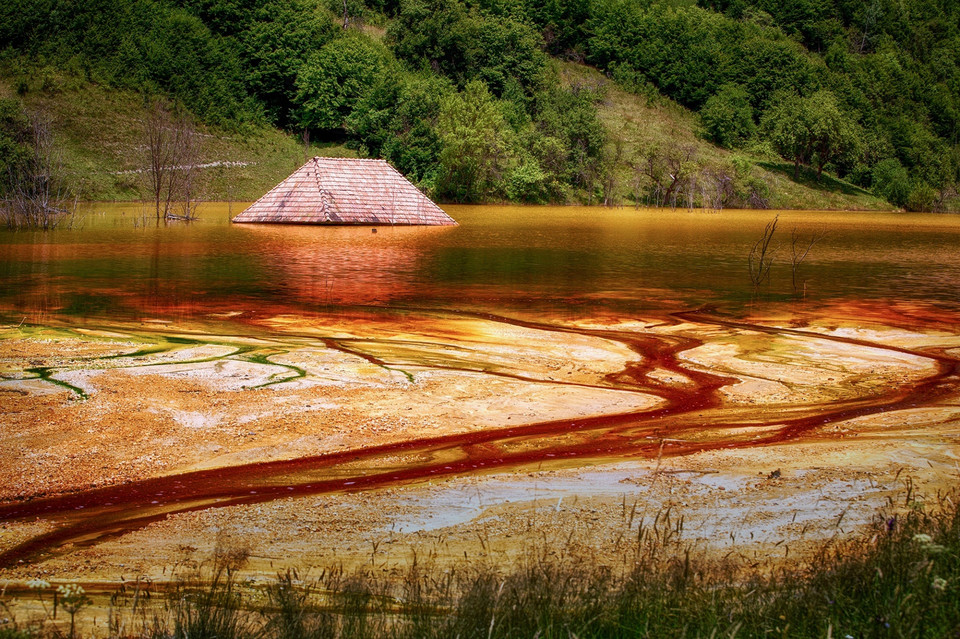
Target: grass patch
x,y
902,579
641,124
101,134
808,177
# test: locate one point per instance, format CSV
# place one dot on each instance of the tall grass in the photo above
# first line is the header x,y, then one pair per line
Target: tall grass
x,y
902,579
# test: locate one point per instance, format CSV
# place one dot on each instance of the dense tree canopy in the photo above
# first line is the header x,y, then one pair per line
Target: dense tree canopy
x,y
335,78
810,130
728,117
867,90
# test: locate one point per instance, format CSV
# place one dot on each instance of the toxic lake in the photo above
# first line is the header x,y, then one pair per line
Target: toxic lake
x,y
313,391
528,259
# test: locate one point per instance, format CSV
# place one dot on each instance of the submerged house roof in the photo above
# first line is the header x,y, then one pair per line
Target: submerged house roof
x,y
345,191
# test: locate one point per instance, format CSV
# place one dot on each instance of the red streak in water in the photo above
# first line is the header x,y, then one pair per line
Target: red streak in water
x,y
686,411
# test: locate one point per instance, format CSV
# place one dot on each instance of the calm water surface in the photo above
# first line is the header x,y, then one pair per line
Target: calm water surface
x,y
571,260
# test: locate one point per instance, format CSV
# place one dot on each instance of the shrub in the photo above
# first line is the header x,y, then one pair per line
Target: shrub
x,y
890,180
727,116
336,78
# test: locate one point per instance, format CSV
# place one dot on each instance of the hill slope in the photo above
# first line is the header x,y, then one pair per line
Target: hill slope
x,y
462,96
648,131
100,131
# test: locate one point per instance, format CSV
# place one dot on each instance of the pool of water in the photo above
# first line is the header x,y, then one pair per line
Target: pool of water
x,y
117,263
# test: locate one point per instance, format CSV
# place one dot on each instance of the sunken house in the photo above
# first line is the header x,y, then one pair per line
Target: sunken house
x,y
345,191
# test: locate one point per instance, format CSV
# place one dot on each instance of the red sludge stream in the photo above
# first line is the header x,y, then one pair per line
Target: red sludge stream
x,y
670,429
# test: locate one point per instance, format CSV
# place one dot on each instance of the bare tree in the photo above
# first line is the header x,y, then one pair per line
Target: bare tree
x,y
944,195
36,196
669,172
760,258
611,182
716,189
173,153
871,15
800,248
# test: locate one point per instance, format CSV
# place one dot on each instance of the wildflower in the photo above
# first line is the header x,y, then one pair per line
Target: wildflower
x,y
922,538
71,591
939,583
73,600
934,549
38,584
74,597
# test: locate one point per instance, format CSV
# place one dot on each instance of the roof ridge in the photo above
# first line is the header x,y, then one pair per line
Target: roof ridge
x,y
349,160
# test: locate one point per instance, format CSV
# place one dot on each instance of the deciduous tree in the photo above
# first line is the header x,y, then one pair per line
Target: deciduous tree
x,y
336,77
476,148
727,116
173,147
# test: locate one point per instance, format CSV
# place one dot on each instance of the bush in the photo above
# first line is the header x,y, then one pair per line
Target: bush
x,y
476,146
890,180
336,78
397,120
922,197
727,116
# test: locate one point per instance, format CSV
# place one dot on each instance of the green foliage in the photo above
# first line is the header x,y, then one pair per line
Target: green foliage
x,y
142,44
681,50
815,22
922,197
891,181
786,127
569,138
527,182
16,142
892,67
272,40
690,52
468,44
810,130
274,49
335,78
397,120
887,71
563,24
834,136
476,145
727,116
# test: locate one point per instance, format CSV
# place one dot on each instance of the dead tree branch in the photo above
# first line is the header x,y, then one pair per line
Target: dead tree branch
x,y
800,248
173,153
760,258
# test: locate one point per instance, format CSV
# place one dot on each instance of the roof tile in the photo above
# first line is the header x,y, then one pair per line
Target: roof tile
x,y
345,191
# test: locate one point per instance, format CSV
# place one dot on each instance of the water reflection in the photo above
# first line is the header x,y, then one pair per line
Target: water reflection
x,y
499,258
341,265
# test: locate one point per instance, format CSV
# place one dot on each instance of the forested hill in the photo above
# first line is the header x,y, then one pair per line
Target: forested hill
x,y
470,100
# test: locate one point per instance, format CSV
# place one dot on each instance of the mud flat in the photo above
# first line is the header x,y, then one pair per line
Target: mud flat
x,y
311,441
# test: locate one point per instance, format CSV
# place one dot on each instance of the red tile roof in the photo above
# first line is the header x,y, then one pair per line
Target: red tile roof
x,y
345,191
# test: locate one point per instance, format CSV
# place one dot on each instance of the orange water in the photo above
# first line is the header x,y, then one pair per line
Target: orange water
x,y
570,260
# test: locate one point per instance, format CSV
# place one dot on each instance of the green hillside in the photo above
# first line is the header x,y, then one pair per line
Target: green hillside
x,y
831,104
